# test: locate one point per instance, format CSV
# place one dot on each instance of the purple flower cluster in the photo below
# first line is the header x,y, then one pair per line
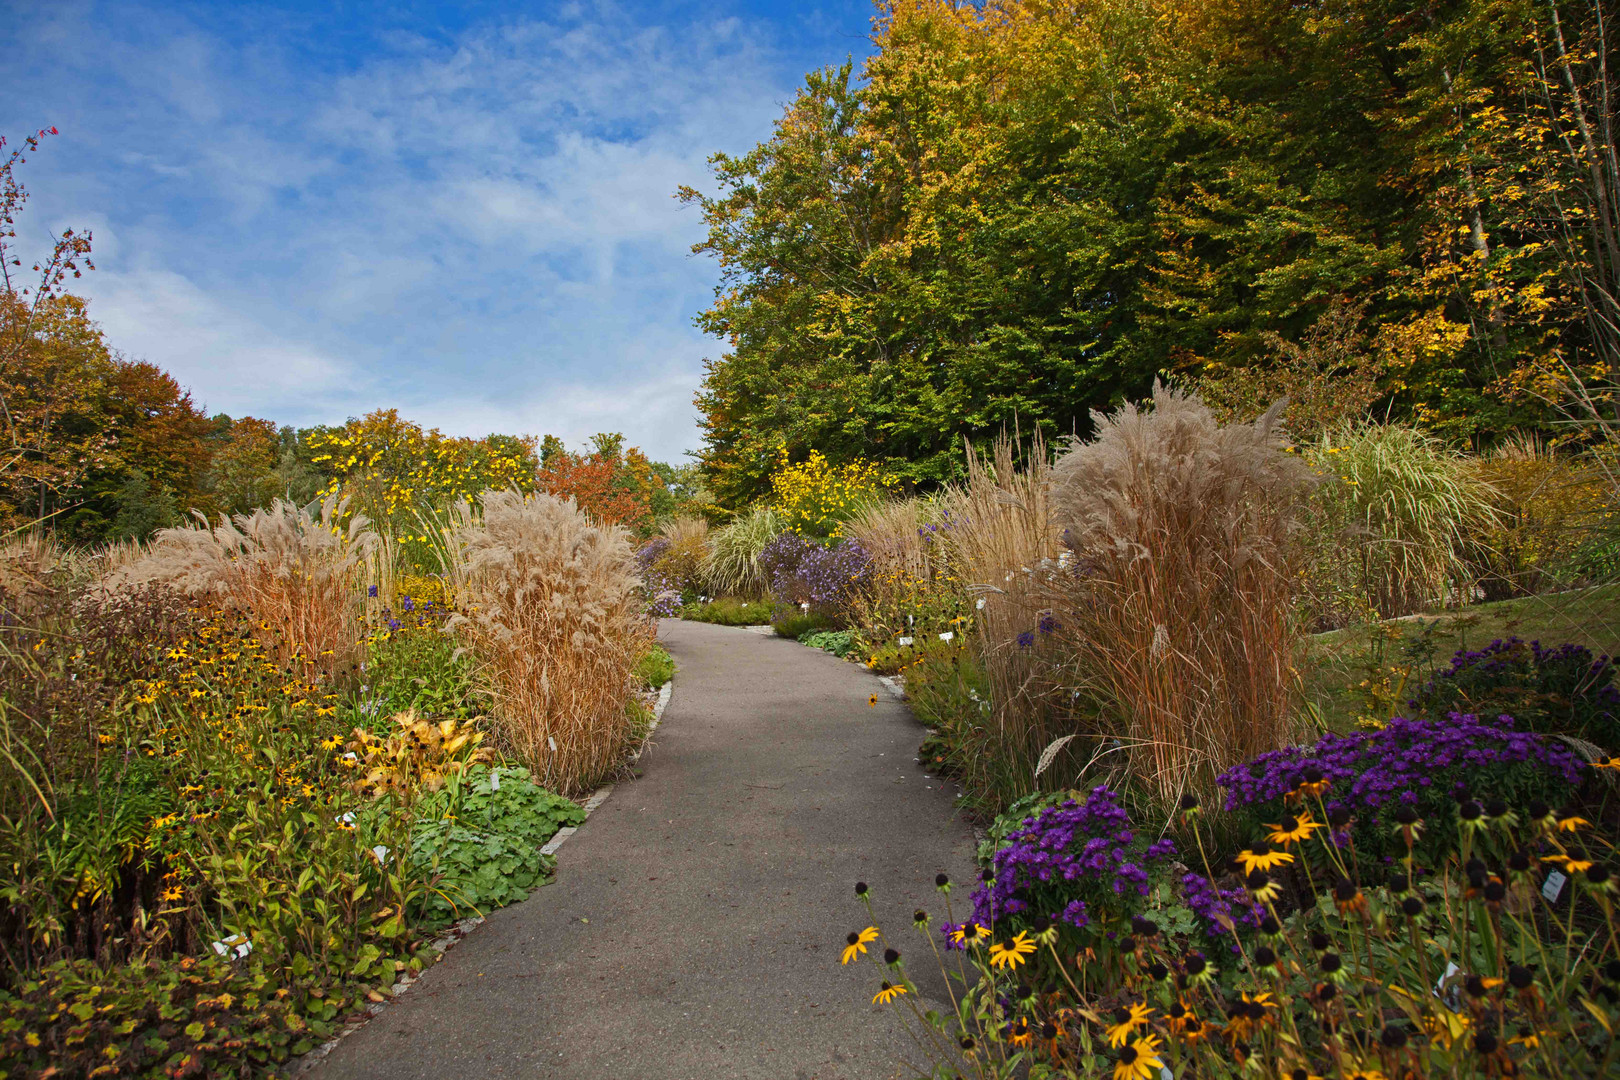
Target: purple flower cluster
x,y
1566,690
663,596
1365,770
1211,903
1067,862
802,572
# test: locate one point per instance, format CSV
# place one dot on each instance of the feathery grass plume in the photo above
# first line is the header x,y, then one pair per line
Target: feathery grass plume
x,y
552,612
732,567
1180,599
1390,524
297,573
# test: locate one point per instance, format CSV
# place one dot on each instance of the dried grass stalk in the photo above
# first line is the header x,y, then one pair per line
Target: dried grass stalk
x,y
298,574
551,611
1180,599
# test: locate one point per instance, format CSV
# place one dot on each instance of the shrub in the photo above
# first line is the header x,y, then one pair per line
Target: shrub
x,y
1564,691
420,669
1549,507
815,497
795,624
816,578
1080,864
1179,601
297,574
680,564
480,840
1425,764
733,567
729,611
655,668
1390,524
553,615
838,642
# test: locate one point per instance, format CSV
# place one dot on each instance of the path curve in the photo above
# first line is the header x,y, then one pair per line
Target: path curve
x,y
694,927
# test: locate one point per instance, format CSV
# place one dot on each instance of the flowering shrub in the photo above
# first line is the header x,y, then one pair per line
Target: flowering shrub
x,y
1422,763
661,593
389,469
827,579
1479,964
815,497
1079,864
1563,691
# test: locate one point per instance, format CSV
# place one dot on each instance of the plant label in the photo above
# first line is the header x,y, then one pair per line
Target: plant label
x,y
1553,885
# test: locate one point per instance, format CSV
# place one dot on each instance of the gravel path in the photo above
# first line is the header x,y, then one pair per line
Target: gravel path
x,y
694,928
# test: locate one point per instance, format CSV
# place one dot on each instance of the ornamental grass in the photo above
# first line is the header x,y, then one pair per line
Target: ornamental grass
x,y
1393,519
1179,603
733,567
551,607
298,574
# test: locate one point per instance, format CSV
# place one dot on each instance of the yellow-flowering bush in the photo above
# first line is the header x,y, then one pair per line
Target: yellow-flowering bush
x,y
815,497
391,469
1549,507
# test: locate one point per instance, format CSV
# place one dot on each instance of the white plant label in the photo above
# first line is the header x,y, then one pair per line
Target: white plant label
x,y
947,635
906,641
980,604
494,780
1553,885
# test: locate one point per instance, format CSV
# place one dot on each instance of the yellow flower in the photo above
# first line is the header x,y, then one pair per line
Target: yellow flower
x,y
872,701
887,993
970,933
857,943
1570,865
1126,1021
1571,823
1261,857
1139,1061
1292,829
1013,953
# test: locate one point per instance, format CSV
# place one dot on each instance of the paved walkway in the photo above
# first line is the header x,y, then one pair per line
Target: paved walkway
x,y
694,927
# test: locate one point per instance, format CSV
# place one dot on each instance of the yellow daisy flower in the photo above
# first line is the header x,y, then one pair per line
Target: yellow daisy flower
x,y
858,942
969,933
1126,1021
1013,953
887,993
1139,1060
1261,857
1293,829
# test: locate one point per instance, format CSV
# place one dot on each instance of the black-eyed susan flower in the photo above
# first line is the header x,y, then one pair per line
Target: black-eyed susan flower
x,y
872,701
1126,1021
1262,887
858,942
1293,828
1013,952
1569,822
1019,1033
887,993
969,933
1139,1061
1261,857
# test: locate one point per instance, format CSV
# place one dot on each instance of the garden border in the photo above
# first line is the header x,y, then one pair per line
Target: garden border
x,y
305,1062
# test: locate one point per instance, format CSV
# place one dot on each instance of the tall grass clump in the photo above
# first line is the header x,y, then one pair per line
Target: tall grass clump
x,y
1392,520
296,571
1179,602
1004,540
733,567
552,611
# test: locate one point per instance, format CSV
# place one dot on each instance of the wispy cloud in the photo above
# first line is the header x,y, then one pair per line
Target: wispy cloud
x,y
477,229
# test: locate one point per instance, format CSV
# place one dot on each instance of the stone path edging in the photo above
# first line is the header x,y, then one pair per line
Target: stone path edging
x,y
300,1065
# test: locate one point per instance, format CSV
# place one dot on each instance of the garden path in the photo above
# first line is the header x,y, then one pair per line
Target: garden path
x,y
694,928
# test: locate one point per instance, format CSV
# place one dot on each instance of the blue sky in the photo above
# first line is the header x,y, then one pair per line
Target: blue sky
x,y
309,210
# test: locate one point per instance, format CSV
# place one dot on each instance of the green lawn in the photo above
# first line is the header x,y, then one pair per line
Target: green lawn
x,y
1345,671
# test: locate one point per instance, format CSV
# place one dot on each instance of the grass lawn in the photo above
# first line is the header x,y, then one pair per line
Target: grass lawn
x,y
1345,671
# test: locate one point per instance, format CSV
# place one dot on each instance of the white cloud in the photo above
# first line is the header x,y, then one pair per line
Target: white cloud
x,y
479,231
229,361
